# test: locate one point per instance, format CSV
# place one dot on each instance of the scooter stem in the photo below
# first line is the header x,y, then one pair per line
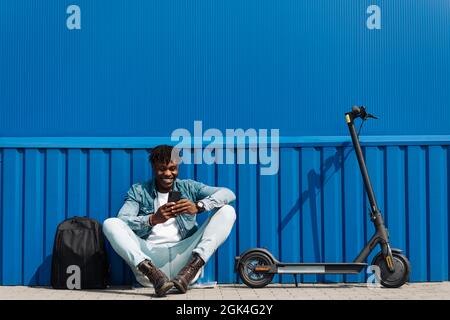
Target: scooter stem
x,y
362,165
381,236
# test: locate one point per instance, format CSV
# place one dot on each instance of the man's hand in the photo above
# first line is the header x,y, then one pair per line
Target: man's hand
x,y
184,206
163,214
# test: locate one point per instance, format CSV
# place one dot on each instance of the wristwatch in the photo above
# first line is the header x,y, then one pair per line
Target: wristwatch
x,y
200,206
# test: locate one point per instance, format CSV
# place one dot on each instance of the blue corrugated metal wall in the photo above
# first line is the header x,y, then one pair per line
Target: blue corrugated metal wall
x,y
136,61
292,65
313,210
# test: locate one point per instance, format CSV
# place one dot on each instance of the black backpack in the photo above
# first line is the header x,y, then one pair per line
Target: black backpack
x,y
79,256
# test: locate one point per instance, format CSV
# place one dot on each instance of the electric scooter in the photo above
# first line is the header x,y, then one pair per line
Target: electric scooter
x,y
258,266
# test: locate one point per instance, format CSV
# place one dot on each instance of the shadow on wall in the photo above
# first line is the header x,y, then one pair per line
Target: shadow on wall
x,y
311,194
43,273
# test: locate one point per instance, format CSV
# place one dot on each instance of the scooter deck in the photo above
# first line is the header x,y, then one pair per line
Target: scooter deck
x,y
317,268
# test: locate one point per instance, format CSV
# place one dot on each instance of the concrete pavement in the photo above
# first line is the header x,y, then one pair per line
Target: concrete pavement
x,y
328,291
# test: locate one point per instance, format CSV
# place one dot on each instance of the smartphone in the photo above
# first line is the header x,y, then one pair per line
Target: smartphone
x,y
174,196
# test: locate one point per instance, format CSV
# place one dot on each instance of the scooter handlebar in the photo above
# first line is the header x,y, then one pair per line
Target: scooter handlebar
x,y
360,112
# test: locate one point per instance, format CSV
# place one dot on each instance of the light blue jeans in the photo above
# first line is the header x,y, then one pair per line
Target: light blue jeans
x,y
170,257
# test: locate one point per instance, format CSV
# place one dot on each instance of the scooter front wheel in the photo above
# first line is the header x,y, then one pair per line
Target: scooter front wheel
x,y
401,272
247,271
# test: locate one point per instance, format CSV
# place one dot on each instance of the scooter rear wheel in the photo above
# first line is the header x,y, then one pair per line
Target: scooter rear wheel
x,y
247,269
401,272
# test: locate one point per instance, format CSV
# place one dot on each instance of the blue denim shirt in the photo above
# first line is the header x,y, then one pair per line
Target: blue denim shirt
x,y
140,203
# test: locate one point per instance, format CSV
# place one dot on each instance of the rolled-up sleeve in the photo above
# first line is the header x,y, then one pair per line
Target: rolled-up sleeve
x,y
214,197
129,213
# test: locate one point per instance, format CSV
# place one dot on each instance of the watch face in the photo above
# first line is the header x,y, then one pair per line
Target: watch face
x,y
200,204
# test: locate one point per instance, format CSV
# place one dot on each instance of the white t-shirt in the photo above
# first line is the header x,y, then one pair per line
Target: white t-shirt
x,y
166,232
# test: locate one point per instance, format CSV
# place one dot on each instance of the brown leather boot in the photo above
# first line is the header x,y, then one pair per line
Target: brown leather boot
x,y
159,280
188,273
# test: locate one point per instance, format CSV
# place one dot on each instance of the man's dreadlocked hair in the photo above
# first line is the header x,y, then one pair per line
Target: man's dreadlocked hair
x,y
163,154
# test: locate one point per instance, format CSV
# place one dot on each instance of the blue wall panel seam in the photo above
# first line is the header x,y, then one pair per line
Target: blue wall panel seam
x,y
447,162
238,212
258,206
109,183
342,186
2,172
407,225
300,199
65,153
427,212
364,208
385,191
88,182
279,229
216,254
44,216
322,201
24,157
